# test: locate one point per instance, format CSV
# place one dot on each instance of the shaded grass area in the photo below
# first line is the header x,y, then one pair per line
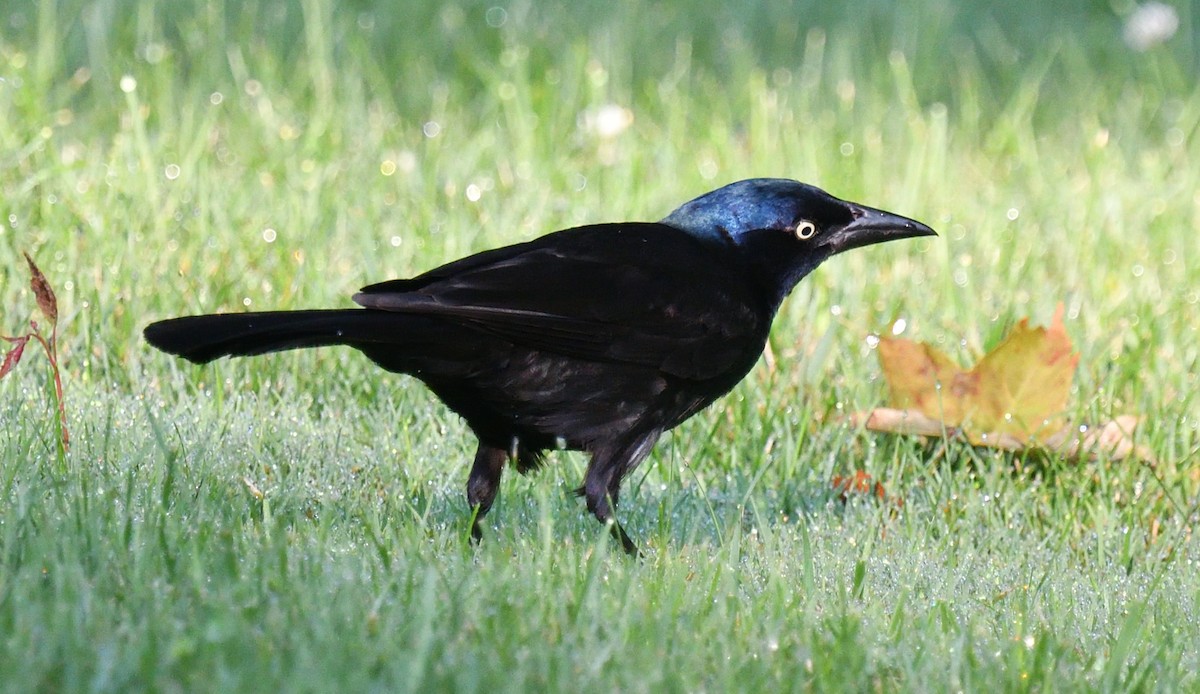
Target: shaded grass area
x,y
296,522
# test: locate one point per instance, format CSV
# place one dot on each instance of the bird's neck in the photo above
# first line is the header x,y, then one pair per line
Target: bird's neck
x,y
774,268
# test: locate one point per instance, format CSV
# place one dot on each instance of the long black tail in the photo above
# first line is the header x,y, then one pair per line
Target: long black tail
x,y
204,338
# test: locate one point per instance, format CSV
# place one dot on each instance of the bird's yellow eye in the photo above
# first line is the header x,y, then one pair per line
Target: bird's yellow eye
x,y
805,230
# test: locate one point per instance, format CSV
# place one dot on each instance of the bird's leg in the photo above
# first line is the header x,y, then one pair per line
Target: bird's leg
x,y
602,486
483,483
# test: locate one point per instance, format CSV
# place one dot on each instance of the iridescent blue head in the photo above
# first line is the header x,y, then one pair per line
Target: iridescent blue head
x,y
784,229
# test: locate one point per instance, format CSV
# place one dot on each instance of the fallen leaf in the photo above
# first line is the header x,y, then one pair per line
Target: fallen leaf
x,y
1113,439
1013,399
923,378
861,483
1025,381
1017,391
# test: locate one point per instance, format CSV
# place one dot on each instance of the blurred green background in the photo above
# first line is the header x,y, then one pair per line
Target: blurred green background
x,y
296,521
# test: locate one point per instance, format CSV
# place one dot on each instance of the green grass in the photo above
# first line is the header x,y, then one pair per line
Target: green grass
x,y
297,523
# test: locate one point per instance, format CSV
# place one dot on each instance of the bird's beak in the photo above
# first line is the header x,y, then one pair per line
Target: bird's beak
x,y
874,226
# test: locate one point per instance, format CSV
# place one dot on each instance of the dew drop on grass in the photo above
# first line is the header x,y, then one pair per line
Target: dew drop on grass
x,y
496,17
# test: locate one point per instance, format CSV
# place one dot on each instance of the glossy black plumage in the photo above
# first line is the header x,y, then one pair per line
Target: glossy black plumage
x,y
598,338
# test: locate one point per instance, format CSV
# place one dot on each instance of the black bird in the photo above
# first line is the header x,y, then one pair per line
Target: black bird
x,y
598,338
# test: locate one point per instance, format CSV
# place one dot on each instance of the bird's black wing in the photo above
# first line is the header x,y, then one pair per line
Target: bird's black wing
x,y
637,293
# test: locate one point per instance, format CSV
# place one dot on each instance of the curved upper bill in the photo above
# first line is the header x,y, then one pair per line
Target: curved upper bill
x,y
874,226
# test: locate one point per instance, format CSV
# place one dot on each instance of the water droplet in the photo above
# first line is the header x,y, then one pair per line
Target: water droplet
x,y
431,129
155,52
269,235
128,84
899,326
496,17
171,172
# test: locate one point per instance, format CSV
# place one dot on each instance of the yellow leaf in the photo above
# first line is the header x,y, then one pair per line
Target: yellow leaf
x,y
923,378
1018,391
1025,381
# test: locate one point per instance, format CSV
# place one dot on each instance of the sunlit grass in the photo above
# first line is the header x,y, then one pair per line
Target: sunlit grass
x,y
297,521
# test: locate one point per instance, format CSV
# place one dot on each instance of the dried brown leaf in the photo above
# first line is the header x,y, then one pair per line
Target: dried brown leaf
x,y
860,483
1113,440
46,300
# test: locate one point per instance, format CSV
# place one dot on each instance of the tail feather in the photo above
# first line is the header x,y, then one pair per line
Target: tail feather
x,y
202,339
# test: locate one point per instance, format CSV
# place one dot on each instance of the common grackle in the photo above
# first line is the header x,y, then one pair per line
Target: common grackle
x,y
598,338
